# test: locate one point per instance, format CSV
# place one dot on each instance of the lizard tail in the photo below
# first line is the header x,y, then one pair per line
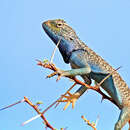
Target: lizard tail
x,y
123,118
129,124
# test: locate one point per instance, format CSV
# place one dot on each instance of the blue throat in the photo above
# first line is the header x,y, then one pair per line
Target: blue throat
x,y
65,47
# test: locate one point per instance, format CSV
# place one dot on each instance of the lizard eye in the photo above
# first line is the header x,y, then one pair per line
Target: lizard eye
x,y
59,25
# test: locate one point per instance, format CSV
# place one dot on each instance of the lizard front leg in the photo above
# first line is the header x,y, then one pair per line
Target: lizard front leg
x,y
70,73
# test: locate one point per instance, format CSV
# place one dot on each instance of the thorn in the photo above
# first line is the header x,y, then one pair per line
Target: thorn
x,y
102,99
38,60
97,120
119,67
12,104
51,60
33,118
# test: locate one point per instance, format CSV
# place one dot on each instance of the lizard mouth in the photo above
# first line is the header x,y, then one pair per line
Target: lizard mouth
x,y
47,23
44,25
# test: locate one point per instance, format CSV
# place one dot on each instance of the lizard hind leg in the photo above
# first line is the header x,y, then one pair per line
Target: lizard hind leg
x,y
123,118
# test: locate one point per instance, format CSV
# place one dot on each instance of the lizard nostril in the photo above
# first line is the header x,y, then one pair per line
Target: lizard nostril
x,y
47,23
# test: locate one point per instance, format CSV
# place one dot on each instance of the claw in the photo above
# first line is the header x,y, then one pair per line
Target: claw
x,y
58,78
67,104
73,104
72,98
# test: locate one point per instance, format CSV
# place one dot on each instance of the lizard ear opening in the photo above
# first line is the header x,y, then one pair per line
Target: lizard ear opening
x,y
71,38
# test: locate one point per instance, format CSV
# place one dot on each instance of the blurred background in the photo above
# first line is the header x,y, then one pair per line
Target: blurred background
x,y
103,25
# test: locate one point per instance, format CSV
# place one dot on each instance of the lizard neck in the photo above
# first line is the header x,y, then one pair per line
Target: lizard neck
x,y
65,49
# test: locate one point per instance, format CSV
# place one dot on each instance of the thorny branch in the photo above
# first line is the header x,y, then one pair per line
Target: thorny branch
x,y
35,107
95,88
51,66
55,102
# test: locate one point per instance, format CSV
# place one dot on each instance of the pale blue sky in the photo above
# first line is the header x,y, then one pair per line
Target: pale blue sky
x,y
104,25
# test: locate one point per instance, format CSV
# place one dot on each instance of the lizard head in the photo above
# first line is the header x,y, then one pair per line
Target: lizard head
x,y
59,30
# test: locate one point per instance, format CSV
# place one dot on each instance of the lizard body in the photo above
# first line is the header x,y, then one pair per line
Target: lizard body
x,y
90,66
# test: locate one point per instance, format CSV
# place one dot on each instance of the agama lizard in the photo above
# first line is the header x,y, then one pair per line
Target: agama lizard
x,y
90,66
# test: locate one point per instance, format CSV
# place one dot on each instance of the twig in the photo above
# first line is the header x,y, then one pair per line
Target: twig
x,y
108,76
58,99
35,107
39,114
12,104
88,123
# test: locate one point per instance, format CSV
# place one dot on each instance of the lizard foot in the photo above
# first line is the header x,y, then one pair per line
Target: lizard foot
x,y
60,74
72,98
